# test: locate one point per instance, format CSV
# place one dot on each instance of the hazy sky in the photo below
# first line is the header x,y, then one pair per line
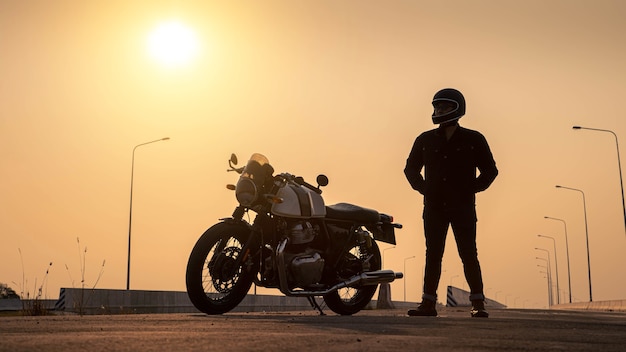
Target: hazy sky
x,y
334,87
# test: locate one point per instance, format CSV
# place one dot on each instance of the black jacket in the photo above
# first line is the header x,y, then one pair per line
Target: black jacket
x,y
450,179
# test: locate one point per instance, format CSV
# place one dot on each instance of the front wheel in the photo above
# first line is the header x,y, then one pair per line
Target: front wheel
x,y
350,300
219,272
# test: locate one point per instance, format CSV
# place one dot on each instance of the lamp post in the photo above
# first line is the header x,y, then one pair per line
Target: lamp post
x,y
404,281
586,235
383,264
556,268
549,267
619,164
548,280
569,277
130,216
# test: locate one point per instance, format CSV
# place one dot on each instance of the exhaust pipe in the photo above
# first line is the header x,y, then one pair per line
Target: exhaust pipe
x,y
379,277
364,279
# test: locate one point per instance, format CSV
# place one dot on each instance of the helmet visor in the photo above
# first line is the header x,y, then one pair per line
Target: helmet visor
x,y
443,107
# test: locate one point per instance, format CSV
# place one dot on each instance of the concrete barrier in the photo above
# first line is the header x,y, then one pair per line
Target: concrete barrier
x,y
103,301
457,297
15,304
607,306
10,304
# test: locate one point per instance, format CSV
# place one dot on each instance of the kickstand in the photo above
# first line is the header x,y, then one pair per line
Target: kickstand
x,y
315,305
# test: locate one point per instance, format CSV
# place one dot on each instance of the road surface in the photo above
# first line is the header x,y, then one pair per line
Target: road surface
x,y
369,330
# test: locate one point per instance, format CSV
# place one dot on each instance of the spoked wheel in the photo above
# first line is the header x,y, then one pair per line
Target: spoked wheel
x,y
351,300
219,272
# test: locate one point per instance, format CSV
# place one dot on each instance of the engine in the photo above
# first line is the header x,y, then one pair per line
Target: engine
x,y
304,263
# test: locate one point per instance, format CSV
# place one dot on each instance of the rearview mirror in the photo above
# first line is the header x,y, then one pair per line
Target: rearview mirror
x,y
322,180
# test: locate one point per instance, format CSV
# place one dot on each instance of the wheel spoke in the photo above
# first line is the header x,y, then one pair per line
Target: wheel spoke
x,y
219,275
217,279
349,300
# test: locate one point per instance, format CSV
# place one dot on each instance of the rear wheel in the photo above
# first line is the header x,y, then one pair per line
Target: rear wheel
x,y
360,258
219,273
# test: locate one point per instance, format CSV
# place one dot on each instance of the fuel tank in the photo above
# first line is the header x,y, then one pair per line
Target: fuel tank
x,y
299,202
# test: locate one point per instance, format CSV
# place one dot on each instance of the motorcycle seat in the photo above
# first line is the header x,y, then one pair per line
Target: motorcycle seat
x,y
351,212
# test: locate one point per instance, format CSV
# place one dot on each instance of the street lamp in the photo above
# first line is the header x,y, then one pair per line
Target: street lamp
x,y
548,280
619,164
549,267
569,278
586,235
404,281
556,268
130,217
384,254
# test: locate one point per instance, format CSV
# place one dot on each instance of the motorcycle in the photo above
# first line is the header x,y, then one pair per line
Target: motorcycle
x,y
296,244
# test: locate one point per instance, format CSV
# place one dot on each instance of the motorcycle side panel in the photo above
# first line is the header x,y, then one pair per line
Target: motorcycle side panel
x,y
299,202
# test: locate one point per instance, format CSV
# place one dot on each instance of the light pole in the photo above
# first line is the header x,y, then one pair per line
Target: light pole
x,y
548,280
569,277
404,281
549,267
384,254
556,268
130,216
619,164
586,235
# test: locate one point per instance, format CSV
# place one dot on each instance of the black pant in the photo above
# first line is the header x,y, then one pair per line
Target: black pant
x,y
436,223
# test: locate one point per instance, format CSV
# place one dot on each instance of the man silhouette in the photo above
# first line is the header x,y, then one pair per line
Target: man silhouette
x,y
450,155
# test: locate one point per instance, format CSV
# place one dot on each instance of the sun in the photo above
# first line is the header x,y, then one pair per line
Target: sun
x,y
173,44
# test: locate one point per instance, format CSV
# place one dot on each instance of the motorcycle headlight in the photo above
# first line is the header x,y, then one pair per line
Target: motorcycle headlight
x,y
246,192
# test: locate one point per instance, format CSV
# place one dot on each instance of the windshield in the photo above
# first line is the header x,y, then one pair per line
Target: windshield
x,y
252,179
257,169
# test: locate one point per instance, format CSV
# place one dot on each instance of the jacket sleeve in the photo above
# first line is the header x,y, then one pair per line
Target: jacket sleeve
x,y
414,165
486,165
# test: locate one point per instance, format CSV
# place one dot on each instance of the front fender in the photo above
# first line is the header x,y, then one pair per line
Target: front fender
x,y
233,221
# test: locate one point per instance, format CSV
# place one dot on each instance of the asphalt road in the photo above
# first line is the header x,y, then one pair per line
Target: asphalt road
x,y
370,330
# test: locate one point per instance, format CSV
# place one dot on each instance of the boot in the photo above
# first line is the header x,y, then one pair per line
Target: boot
x,y
426,309
478,309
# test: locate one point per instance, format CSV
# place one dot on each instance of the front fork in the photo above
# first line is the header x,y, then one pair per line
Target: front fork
x,y
247,247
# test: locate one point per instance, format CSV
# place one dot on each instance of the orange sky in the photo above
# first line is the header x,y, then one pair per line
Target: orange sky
x,y
340,88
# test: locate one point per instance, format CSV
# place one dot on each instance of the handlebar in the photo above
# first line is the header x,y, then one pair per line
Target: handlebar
x,y
237,170
300,180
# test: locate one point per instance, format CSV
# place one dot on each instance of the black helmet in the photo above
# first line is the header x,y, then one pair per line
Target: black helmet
x,y
452,96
